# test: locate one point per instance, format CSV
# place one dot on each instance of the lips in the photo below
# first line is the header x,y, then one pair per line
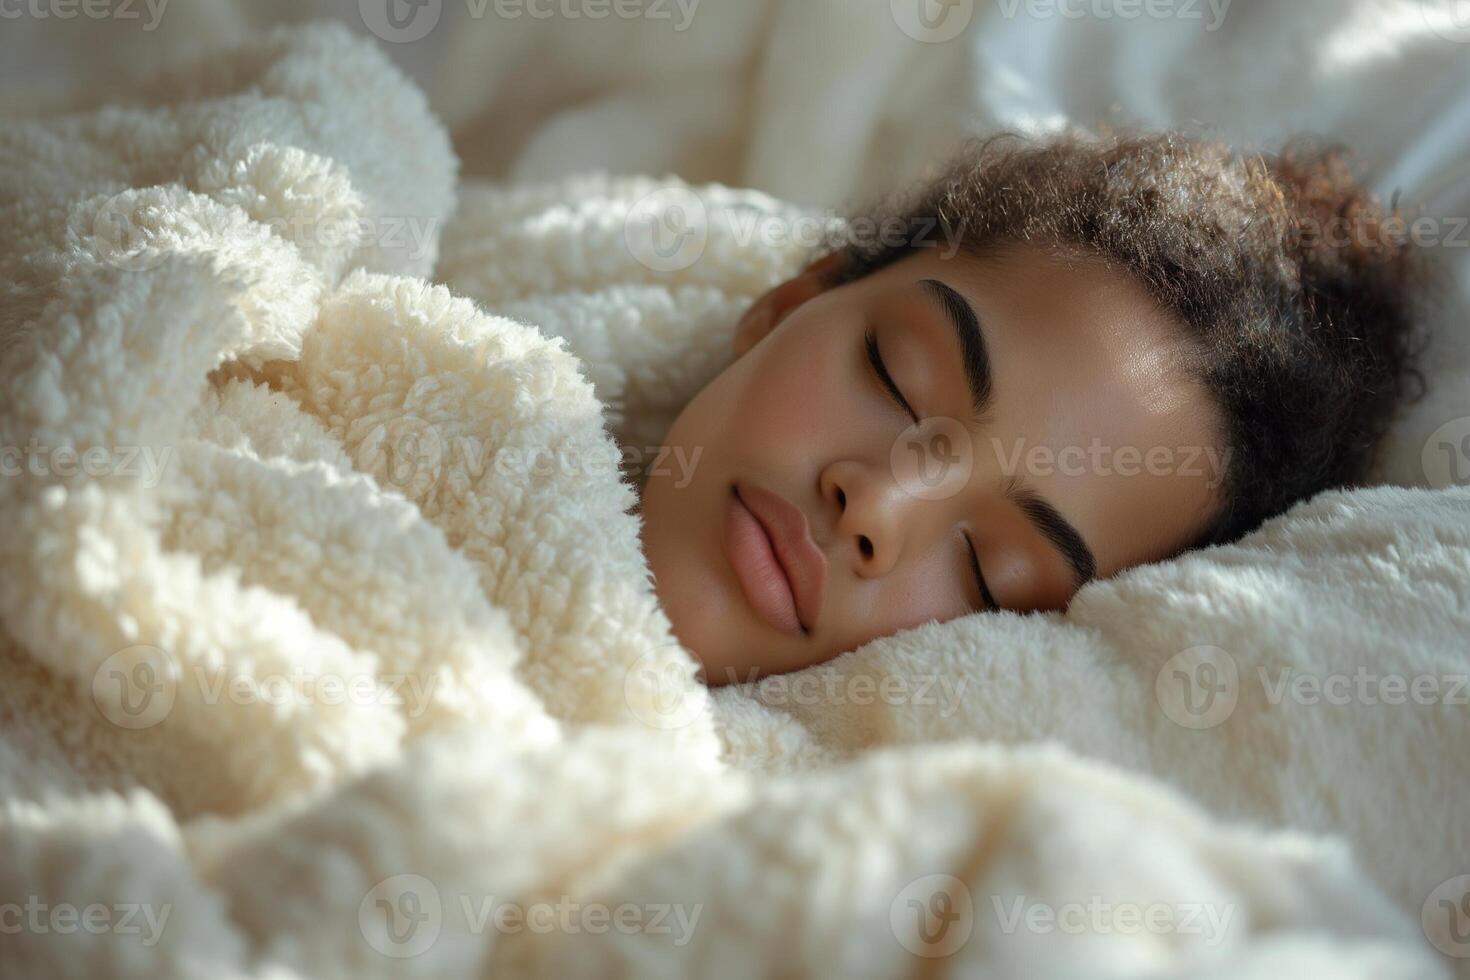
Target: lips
x,y
780,569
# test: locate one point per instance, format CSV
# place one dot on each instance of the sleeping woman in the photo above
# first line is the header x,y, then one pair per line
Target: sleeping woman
x,y
1089,355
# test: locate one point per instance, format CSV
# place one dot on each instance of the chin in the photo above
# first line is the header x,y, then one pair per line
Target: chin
x,y
698,624
719,669
683,585
707,626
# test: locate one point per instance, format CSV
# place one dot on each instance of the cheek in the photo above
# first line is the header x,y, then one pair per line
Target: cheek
x,y
796,397
928,590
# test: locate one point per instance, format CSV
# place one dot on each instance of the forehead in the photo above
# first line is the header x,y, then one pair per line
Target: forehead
x,y
1092,385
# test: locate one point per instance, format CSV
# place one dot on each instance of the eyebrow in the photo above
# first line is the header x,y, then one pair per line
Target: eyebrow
x,y
975,358
1056,529
974,355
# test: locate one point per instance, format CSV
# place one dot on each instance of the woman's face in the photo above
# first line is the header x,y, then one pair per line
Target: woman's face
x,y
1031,426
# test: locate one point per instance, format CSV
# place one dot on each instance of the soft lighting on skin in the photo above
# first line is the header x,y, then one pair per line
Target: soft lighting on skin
x,y
1078,354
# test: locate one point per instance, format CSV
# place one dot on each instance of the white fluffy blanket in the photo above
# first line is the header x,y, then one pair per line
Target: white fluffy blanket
x,y
314,667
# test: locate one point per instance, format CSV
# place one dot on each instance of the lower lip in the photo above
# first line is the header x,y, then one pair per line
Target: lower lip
x,y
760,574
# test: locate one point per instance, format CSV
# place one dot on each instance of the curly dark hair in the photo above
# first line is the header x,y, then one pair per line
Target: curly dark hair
x,y
1287,275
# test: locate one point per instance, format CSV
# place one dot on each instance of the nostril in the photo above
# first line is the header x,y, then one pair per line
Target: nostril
x,y
841,499
865,546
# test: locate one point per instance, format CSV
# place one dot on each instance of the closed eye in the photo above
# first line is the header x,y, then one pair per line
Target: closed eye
x,y
880,369
875,358
990,604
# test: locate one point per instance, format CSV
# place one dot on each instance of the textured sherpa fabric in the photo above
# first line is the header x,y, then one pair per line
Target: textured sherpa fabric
x,y
1333,637
312,665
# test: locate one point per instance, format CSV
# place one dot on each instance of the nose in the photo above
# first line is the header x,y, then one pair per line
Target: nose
x,y
871,512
